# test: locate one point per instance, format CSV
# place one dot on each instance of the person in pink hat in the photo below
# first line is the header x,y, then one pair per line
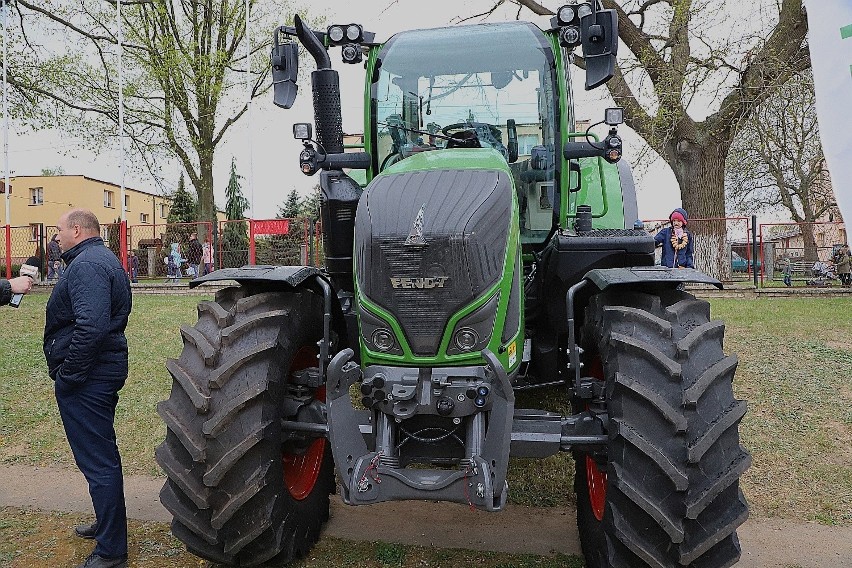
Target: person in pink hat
x,y
677,242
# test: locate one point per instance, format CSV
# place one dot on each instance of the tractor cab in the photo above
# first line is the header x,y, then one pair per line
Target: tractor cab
x,y
482,86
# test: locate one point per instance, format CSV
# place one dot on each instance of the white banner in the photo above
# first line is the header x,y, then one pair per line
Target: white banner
x,y
830,40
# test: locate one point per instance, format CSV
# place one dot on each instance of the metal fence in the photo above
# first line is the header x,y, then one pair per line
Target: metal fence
x,y
20,244
152,245
232,244
804,250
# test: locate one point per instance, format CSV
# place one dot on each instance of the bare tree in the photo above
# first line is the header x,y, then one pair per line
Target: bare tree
x,y
776,161
677,59
184,67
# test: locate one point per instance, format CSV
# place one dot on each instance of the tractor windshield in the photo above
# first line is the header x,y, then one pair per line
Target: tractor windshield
x,y
494,83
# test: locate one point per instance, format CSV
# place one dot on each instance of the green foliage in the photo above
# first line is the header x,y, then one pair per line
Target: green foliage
x,y
57,171
114,237
184,208
236,203
235,235
390,554
291,206
310,206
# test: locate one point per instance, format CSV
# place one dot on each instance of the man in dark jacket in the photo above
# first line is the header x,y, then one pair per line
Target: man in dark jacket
x,y
54,262
86,353
194,252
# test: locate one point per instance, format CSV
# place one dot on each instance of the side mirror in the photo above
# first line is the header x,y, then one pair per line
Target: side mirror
x,y
512,142
285,71
599,32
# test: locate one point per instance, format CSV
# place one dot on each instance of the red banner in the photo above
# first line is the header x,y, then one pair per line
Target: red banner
x,y
272,227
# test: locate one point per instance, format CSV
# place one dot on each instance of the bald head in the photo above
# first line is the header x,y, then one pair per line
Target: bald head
x,y
76,226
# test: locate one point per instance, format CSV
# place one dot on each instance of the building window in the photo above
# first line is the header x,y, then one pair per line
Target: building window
x,y
36,196
108,198
143,218
35,232
164,211
126,202
526,143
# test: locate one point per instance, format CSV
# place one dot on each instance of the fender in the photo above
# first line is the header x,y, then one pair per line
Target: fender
x,y
603,278
286,279
292,276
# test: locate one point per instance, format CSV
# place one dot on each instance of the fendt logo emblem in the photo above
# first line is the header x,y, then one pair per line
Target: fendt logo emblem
x,y
415,236
420,283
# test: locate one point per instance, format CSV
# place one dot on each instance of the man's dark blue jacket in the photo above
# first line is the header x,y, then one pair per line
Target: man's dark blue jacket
x,y
86,317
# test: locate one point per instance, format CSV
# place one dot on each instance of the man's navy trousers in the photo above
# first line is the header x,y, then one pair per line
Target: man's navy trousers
x,y
88,415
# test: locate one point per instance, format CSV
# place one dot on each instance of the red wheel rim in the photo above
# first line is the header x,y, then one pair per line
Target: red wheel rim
x,y
301,471
596,480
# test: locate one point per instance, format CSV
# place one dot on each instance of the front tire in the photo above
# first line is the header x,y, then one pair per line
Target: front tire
x,y
671,495
238,494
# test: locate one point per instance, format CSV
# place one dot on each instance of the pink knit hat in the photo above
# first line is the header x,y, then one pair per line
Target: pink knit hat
x,y
678,214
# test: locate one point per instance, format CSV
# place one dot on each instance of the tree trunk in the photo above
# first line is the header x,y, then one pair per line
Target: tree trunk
x,y
206,198
810,253
699,166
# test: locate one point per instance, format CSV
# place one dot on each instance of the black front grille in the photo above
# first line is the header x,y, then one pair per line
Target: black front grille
x,y
465,228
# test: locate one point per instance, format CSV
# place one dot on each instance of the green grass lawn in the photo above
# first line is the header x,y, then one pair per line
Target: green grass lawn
x,y
795,370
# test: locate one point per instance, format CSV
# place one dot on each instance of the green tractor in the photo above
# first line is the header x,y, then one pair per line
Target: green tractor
x,y
489,249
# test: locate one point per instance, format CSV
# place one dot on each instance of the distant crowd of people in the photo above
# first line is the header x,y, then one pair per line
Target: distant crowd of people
x,y
197,262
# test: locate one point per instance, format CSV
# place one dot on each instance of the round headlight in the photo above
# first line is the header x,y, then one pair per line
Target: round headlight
x,y
466,339
335,33
570,35
383,339
350,52
353,32
583,10
565,14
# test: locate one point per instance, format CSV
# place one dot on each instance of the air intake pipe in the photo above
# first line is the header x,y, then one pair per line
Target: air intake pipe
x,y
340,193
325,85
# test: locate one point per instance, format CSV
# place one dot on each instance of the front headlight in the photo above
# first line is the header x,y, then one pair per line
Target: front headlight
x,y
377,334
466,338
473,332
383,339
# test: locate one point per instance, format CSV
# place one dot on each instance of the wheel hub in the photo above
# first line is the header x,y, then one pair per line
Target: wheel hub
x,y
302,470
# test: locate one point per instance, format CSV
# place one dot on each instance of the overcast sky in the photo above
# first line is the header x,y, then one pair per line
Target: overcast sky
x,y
270,156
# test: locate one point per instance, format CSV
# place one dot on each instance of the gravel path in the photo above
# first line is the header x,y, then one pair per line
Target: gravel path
x,y
766,543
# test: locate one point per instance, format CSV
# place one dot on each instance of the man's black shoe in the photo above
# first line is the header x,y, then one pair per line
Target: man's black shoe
x,y
86,531
95,561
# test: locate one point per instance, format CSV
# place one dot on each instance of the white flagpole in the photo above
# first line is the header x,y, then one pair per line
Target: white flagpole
x,y
5,9
248,109
121,104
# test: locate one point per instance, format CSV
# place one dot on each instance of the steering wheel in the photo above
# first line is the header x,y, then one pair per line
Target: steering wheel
x,y
487,135
495,132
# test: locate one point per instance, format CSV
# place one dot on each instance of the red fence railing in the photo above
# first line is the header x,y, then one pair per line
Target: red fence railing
x,y
795,247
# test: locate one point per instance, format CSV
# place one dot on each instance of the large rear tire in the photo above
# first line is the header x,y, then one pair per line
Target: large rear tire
x,y
667,494
238,494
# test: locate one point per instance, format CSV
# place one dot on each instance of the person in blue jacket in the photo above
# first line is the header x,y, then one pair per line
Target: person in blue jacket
x,y
86,352
678,244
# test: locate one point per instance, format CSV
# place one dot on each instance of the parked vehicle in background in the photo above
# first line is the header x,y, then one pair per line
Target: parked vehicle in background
x,y
740,264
